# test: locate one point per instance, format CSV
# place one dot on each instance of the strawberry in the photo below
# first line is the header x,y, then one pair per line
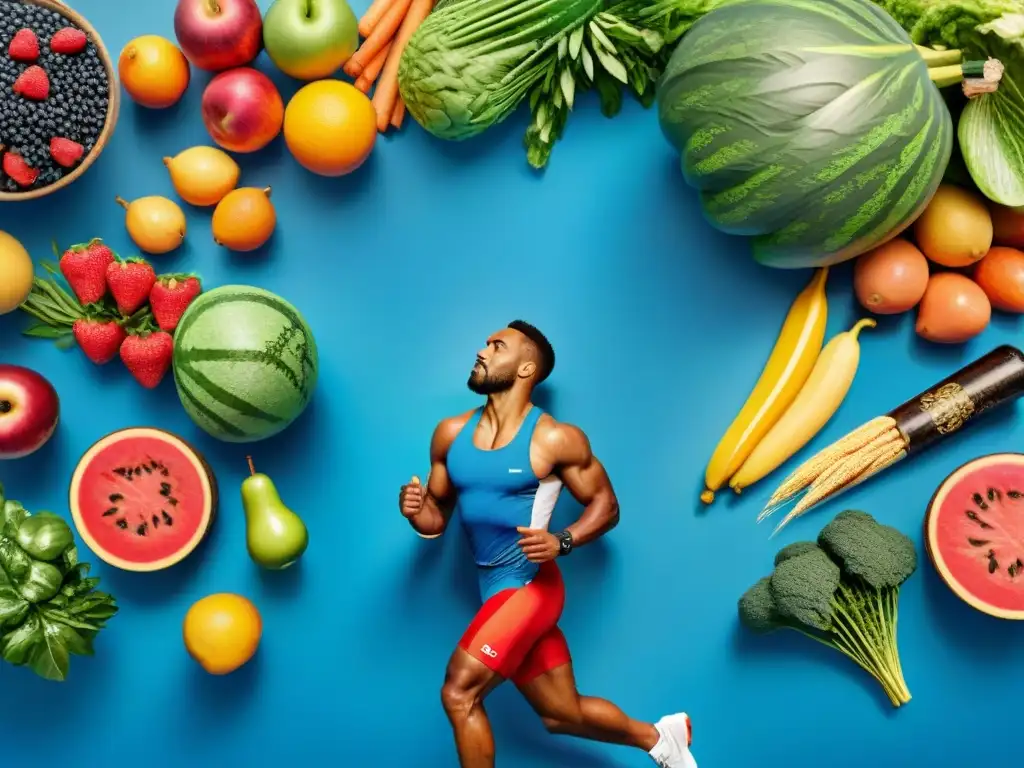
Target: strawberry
x,y
68,41
130,283
14,165
99,338
33,84
171,296
85,269
65,152
147,356
24,46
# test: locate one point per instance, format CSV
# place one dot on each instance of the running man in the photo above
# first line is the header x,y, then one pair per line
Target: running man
x,y
502,467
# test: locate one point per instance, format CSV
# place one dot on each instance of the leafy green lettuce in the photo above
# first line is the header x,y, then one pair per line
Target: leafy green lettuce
x,y
991,127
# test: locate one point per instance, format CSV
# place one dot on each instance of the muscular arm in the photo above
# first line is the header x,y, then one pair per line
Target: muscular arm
x,y
587,481
440,497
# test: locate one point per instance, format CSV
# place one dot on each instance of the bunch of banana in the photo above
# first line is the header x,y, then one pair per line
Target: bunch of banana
x,y
799,389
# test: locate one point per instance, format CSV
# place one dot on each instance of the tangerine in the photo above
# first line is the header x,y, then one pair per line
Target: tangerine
x,y
330,127
222,632
154,71
244,219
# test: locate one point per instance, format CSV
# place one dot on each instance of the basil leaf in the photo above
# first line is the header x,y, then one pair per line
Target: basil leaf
x,y
18,645
55,614
13,607
50,657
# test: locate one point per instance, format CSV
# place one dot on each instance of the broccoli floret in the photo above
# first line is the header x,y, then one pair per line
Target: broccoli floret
x,y
795,549
803,586
879,554
843,593
757,608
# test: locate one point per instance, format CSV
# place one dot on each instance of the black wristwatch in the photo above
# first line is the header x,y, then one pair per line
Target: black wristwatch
x,y
564,543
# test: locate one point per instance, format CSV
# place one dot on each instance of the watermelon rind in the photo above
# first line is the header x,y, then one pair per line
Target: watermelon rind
x,y
810,126
931,534
207,480
245,363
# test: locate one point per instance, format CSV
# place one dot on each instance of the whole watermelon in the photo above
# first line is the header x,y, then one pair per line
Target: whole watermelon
x,y
245,363
810,125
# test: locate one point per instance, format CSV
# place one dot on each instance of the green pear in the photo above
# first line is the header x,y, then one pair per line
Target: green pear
x,y
276,536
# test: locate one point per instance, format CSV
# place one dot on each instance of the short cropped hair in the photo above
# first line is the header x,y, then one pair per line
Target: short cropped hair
x,y
546,353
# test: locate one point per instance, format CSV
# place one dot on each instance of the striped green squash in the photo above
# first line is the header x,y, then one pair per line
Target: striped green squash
x,y
245,363
809,125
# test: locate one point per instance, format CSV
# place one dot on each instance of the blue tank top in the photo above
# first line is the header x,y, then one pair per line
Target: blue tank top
x,y
498,491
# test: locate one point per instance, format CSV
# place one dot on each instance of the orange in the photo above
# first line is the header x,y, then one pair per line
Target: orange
x,y
244,219
222,632
330,127
154,71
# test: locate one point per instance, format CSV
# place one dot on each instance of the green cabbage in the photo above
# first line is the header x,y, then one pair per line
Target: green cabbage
x,y
991,126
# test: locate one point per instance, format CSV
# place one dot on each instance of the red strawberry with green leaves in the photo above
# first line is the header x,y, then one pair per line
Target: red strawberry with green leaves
x,y
171,296
130,282
24,46
68,41
85,268
33,84
100,338
147,356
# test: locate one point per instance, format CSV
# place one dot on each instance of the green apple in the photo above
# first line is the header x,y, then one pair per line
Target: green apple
x,y
310,39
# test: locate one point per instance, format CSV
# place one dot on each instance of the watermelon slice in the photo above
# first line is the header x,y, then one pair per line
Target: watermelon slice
x,y
974,533
143,499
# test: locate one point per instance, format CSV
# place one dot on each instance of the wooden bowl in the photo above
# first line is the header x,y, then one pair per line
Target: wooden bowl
x,y
113,104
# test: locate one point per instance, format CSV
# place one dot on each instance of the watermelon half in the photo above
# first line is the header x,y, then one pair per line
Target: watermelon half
x,y
974,533
811,126
245,363
142,499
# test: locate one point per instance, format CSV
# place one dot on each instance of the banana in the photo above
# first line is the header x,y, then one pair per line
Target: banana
x,y
818,400
788,367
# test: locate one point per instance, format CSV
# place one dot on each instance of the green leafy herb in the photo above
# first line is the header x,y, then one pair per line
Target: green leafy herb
x,y
50,609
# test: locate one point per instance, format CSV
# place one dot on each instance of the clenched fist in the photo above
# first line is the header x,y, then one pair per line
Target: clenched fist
x,y
411,498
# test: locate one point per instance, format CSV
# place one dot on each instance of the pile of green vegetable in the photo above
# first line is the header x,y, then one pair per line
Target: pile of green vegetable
x,y
49,607
473,62
842,591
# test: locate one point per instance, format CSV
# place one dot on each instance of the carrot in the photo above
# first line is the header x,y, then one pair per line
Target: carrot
x,y
372,70
373,16
382,35
399,113
385,94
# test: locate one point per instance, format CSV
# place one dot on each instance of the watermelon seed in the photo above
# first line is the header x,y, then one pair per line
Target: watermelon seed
x,y
156,521
993,494
977,542
993,564
122,524
115,497
980,501
173,501
974,516
167,518
165,472
1012,570
141,531
165,489
109,512
1014,494
148,469
120,471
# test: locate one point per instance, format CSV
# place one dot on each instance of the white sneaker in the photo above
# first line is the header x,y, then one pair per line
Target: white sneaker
x,y
673,747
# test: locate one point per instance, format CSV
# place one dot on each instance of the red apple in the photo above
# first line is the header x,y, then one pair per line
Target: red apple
x,y
29,410
242,110
219,34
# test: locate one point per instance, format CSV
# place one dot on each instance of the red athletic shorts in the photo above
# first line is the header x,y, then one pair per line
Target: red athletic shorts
x,y
516,632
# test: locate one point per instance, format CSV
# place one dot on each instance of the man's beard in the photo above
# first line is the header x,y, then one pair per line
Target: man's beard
x,y
483,384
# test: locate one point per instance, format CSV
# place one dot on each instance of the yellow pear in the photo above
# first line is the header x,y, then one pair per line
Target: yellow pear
x,y
15,273
202,175
154,223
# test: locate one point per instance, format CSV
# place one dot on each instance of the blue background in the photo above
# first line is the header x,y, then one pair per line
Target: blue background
x,y
661,327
